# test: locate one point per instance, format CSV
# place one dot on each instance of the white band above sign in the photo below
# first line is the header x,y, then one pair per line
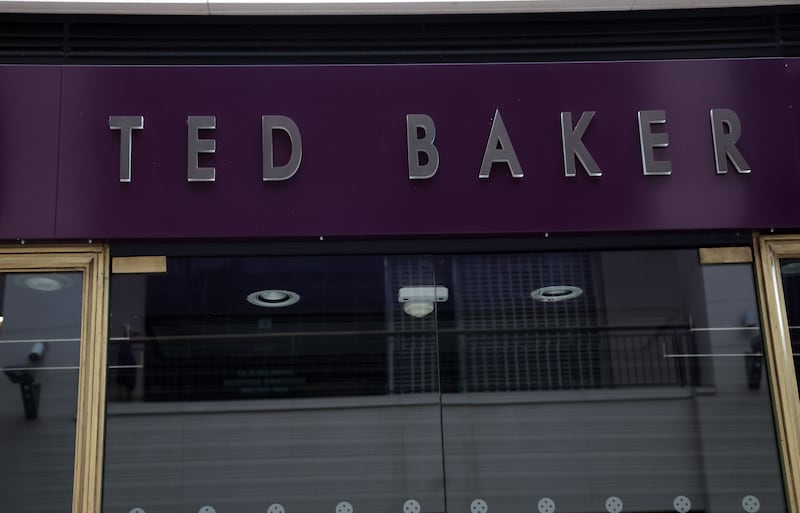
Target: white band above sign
x,y
317,7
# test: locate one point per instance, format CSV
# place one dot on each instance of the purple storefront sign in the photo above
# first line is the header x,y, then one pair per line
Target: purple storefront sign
x,y
60,160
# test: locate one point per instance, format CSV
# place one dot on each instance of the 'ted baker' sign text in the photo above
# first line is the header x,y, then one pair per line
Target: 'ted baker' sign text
x,y
424,157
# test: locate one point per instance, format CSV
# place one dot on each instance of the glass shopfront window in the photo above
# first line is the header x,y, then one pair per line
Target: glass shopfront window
x,y
790,280
237,383
571,382
39,355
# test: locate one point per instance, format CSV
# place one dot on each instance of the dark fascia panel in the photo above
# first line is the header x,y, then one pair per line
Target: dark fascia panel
x,y
104,39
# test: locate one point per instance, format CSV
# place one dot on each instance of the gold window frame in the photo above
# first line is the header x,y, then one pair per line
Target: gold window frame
x,y
768,251
92,261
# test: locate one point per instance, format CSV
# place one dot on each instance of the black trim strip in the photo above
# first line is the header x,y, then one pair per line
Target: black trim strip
x,y
105,39
541,242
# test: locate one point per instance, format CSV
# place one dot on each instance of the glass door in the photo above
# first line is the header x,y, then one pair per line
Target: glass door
x,y
51,317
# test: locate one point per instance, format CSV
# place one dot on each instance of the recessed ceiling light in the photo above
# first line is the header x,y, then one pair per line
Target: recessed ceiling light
x,y
273,298
555,293
43,282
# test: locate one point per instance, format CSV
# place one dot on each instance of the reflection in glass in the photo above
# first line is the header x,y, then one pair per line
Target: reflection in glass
x,y
39,355
225,391
571,382
790,277
636,395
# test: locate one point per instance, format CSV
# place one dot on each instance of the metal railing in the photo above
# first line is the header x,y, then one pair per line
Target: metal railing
x,y
551,359
392,362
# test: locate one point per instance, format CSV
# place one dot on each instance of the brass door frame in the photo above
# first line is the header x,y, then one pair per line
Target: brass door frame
x,y
92,261
778,353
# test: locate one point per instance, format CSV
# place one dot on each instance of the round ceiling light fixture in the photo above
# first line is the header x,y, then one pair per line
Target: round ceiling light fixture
x,y
418,309
555,293
273,298
43,282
